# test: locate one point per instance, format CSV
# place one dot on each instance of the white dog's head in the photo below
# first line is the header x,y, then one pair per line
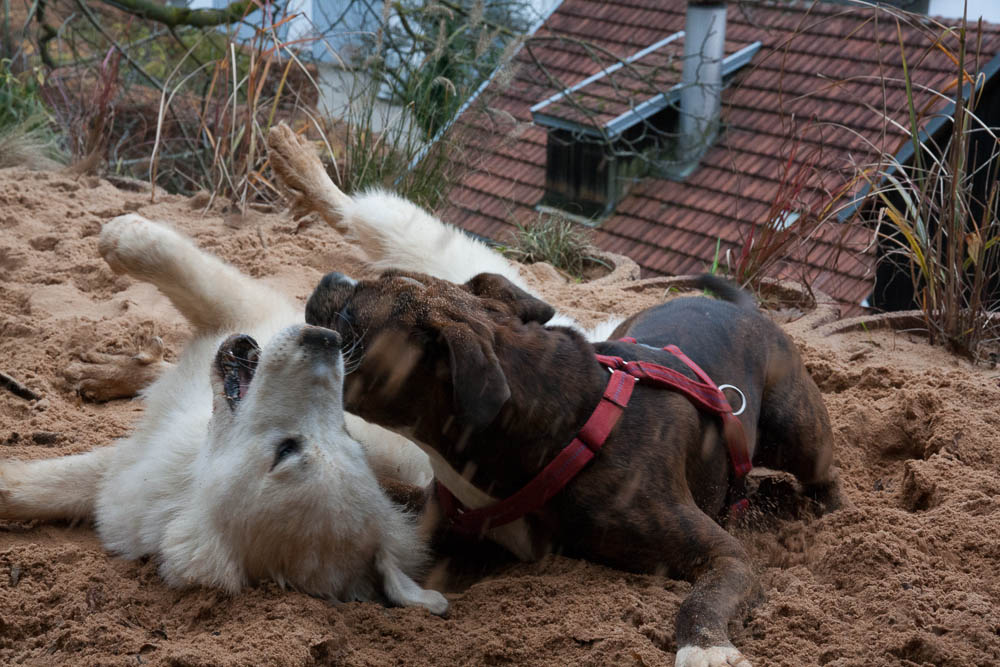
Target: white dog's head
x,y
278,411
283,491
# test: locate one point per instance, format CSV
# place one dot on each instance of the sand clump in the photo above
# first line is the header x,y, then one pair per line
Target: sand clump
x,y
905,575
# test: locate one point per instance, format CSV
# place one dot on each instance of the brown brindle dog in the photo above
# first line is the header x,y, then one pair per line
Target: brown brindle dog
x,y
471,374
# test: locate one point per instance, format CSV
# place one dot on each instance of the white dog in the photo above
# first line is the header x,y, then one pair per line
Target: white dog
x,y
241,468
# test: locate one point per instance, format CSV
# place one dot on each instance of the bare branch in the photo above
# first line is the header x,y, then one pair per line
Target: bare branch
x,y
182,16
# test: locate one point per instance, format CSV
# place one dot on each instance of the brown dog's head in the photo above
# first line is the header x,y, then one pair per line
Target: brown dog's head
x,y
410,338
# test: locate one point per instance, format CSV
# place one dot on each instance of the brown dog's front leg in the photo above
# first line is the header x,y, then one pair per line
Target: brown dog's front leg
x,y
722,588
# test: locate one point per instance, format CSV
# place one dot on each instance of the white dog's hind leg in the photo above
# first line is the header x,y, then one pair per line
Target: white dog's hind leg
x,y
211,294
404,591
61,488
393,232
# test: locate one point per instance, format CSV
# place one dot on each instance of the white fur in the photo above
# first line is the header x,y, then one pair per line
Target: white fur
x,y
198,484
396,233
713,656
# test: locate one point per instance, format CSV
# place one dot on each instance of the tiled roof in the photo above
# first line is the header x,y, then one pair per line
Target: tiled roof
x,y
812,97
623,86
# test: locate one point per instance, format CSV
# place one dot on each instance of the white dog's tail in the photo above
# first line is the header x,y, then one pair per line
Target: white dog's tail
x,y
60,488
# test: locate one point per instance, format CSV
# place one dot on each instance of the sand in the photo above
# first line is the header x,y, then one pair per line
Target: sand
x,y
906,575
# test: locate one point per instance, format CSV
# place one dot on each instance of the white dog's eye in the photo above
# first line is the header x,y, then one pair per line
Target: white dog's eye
x,y
284,449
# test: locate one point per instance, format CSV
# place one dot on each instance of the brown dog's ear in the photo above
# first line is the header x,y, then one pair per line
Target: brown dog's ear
x,y
479,383
526,307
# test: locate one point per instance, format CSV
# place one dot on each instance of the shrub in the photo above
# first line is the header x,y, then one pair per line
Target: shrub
x,y
556,240
938,215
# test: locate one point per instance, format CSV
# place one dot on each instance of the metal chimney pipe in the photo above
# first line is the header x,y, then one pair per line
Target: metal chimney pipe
x,y
701,78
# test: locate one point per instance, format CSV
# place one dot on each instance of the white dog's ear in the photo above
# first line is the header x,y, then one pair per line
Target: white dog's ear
x,y
525,306
232,371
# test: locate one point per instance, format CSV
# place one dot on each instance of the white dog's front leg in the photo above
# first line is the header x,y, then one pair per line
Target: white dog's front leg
x,y
60,488
211,294
402,590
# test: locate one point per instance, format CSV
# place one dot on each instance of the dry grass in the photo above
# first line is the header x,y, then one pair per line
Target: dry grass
x,y
939,222
188,109
550,238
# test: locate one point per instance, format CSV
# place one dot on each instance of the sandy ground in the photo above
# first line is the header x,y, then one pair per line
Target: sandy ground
x,y
907,575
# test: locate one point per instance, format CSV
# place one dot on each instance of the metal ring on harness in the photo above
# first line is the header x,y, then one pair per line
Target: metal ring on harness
x,y
743,407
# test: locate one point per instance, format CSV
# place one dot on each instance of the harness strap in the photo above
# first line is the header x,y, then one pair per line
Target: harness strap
x,y
575,456
706,395
564,467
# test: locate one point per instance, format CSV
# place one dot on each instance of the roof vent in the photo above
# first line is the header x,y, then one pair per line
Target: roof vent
x,y
605,132
701,81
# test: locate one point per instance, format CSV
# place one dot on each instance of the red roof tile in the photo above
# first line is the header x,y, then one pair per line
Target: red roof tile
x,y
811,89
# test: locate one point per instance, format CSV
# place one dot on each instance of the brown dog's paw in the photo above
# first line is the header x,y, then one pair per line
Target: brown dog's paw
x,y
104,377
828,496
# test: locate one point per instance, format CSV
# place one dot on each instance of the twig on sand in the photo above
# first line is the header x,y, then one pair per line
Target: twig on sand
x,y
16,388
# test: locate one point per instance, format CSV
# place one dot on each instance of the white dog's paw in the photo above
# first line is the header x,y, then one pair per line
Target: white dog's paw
x,y
132,244
302,176
6,471
104,377
295,160
713,656
402,590
434,602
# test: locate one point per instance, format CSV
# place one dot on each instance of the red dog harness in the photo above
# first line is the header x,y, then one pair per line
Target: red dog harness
x,y
706,396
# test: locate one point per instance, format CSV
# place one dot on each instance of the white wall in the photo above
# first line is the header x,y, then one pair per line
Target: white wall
x,y
988,9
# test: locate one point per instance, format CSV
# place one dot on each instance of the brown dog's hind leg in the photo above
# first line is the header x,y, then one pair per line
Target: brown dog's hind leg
x,y
722,590
795,436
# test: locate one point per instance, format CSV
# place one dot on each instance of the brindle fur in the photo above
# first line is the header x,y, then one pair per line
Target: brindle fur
x,y
471,371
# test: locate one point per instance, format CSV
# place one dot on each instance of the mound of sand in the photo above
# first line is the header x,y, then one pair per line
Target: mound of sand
x,y
906,575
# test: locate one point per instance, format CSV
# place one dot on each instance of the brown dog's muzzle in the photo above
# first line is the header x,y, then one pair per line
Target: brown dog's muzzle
x,y
325,307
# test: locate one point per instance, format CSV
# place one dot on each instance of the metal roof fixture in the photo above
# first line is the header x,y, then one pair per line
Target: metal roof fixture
x,y
657,109
701,81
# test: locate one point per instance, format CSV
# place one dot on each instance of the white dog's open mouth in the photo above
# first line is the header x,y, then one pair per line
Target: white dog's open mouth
x,y
236,363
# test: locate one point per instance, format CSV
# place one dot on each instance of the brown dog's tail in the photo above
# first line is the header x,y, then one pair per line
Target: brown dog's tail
x,y
726,290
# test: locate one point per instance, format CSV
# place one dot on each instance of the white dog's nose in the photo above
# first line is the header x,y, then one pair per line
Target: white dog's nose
x,y
319,338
